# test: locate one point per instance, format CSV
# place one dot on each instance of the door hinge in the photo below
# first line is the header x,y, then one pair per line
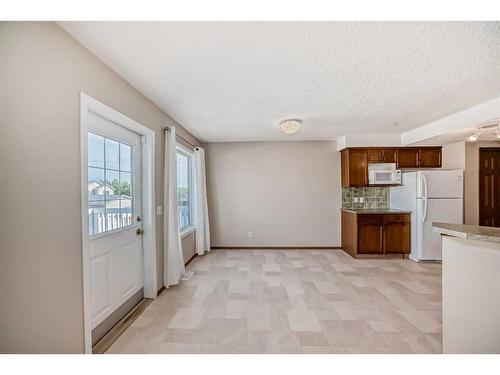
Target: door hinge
x,y
143,139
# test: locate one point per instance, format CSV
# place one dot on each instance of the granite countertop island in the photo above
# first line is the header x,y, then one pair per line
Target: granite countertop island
x,y
471,297
468,232
375,211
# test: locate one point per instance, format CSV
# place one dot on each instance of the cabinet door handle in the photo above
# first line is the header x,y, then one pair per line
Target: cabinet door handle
x,y
382,238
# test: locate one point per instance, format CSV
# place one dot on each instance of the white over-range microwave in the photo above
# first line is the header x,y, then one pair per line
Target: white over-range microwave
x,y
383,174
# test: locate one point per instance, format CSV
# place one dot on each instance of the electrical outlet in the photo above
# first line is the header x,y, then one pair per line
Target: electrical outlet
x,y
361,199
355,199
251,235
159,210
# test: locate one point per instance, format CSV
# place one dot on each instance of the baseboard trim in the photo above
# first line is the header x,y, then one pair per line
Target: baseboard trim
x,y
276,247
109,338
160,291
380,256
190,259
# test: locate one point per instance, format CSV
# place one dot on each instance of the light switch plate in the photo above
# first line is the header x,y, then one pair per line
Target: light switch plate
x,y
159,210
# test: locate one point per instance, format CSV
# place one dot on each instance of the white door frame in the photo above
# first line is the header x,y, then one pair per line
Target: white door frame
x,y
89,104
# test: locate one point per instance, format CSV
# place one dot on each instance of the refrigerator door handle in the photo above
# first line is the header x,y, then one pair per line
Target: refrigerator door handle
x,y
424,180
424,216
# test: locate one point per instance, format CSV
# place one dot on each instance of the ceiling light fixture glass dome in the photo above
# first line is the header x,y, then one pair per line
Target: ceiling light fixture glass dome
x,y
290,126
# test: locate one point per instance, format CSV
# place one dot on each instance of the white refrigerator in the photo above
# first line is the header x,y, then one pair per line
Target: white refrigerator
x,y
431,196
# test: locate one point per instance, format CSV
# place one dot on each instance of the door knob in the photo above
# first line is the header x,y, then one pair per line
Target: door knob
x,y
139,232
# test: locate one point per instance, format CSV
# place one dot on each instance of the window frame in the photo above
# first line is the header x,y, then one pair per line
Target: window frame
x,y
189,154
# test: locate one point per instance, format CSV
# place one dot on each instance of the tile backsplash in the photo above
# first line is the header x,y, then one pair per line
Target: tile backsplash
x,y
372,197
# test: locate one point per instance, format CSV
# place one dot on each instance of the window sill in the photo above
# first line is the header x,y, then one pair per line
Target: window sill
x,y
186,231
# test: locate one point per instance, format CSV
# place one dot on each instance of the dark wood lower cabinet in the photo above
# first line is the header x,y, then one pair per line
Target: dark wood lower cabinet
x,y
397,238
376,234
370,235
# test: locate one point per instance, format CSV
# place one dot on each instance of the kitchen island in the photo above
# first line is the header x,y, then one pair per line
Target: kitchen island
x,y
471,292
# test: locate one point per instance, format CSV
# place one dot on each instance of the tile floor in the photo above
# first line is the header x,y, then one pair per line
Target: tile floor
x,y
293,301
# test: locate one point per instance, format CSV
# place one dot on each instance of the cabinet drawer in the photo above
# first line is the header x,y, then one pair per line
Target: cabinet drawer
x,y
371,218
397,218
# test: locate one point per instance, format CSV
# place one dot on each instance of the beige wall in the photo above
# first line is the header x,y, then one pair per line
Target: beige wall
x,y
287,193
472,180
42,71
454,156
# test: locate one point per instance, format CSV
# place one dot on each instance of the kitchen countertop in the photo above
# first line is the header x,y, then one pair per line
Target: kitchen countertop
x,y
375,211
468,232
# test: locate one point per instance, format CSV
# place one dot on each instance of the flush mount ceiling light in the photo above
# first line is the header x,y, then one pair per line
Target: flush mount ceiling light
x,y
290,126
484,128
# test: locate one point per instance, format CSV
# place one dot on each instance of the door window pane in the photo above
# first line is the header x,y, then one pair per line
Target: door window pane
x,y
112,151
113,182
125,157
184,189
97,217
126,198
110,195
96,183
96,151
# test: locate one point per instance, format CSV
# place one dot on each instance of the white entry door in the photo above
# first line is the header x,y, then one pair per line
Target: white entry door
x,y
114,216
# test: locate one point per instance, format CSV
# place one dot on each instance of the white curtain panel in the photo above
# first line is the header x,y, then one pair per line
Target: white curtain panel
x,y
202,225
173,266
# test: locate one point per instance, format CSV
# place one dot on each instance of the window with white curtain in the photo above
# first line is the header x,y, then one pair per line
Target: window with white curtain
x,y
185,188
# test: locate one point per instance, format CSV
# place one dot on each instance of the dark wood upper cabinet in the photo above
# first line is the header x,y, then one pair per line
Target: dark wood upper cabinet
x,y
390,155
354,168
355,161
430,157
408,158
382,155
375,155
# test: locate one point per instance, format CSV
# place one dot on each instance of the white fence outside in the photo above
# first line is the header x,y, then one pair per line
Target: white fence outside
x,y
100,222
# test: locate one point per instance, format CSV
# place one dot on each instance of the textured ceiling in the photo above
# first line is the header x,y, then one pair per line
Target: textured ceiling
x,y
234,81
